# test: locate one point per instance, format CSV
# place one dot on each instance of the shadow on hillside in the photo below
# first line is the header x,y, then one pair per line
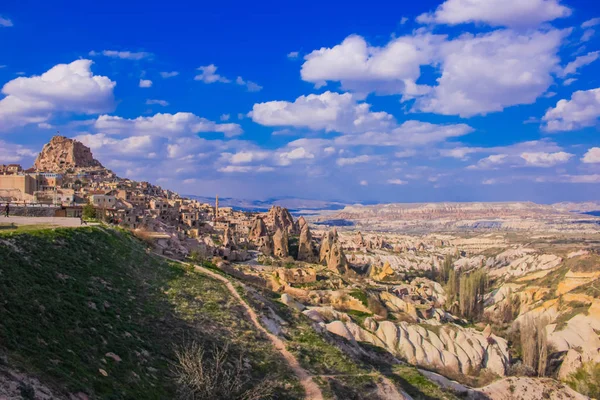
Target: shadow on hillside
x,y
91,311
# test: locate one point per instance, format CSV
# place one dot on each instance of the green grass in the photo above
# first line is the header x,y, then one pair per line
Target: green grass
x,y
417,385
575,309
11,228
359,316
586,380
70,296
360,296
586,263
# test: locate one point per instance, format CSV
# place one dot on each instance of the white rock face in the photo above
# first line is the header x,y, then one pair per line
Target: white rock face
x,y
457,348
530,389
526,264
570,364
291,302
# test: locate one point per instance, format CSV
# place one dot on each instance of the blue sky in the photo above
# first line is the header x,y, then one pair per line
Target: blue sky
x,y
456,100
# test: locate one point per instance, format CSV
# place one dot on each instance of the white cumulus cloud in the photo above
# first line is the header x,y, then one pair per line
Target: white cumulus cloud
x,y
110,145
511,13
299,153
540,159
145,83
583,110
362,68
164,125
480,73
488,72
208,74
592,156
63,88
328,111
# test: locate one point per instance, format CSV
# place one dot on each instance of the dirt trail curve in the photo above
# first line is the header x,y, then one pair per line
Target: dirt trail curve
x,y
386,388
312,390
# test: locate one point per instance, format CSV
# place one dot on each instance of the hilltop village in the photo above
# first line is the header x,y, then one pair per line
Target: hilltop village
x,y
66,177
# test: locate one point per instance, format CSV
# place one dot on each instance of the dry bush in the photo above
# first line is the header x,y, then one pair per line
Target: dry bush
x,y
534,344
216,374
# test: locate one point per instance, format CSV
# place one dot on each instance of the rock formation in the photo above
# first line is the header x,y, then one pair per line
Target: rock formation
x,y
229,239
280,218
280,244
306,250
359,240
265,245
301,223
297,275
62,154
332,254
380,274
258,229
452,347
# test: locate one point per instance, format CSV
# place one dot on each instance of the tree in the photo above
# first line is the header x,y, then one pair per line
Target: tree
x,y
89,212
452,287
534,343
444,271
472,289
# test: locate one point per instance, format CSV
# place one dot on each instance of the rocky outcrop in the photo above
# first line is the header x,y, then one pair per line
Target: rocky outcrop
x,y
306,249
62,154
580,335
280,244
573,280
381,273
291,302
265,245
359,240
301,223
296,275
280,218
530,389
332,254
258,229
229,239
461,350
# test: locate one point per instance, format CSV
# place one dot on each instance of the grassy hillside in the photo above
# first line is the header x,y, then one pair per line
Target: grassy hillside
x,y
89,310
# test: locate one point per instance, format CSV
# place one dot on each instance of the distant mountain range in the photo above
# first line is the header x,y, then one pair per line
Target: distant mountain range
x,y
295,205
306,206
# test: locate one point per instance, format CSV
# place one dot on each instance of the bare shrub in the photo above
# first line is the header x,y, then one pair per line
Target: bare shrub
x,y
216,374
534,344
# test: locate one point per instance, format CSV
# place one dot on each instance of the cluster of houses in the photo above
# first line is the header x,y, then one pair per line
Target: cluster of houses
x,y
120,201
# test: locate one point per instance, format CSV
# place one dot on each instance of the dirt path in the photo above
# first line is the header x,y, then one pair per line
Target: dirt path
x,y
312,390
387,389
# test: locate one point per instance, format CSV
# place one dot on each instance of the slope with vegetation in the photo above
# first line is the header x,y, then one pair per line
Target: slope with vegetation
x,y
92,314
